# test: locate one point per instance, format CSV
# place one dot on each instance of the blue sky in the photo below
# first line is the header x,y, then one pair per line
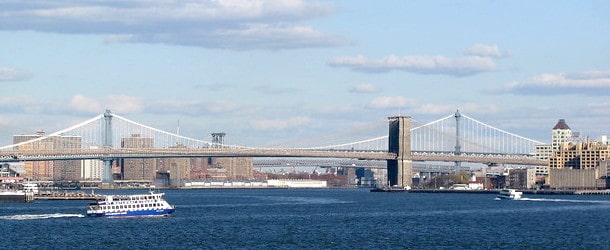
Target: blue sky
x,y
267,72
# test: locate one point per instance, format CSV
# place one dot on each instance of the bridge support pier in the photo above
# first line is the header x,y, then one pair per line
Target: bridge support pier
x,y
107,171
400,170
107,130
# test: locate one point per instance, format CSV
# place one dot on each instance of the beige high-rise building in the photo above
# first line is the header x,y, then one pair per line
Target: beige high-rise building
x,y
578,165
581,155
140,168
50,170
67,170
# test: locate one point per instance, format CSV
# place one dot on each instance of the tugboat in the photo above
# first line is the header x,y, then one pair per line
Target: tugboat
x,y
138,205
509,194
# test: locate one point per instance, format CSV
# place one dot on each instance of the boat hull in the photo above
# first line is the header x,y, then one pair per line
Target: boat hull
x,y
507,198
509,194
140,213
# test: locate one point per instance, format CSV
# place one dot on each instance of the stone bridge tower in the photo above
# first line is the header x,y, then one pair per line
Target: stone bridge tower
x,y
400,170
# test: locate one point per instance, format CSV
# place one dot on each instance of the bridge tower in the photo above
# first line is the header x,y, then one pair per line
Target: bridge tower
x,y
400,170
218,139
458,146
107,136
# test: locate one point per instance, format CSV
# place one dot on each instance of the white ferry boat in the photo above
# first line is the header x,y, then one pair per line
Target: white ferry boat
x,y
510,194
151,204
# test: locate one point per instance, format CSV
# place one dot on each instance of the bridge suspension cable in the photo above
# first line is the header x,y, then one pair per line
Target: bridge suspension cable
x,y
435,136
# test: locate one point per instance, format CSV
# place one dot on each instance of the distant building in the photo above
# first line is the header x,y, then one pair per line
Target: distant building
x,y
50,170
140,168
543,152
560,133
92,169
237,168
35,170
604,175
67,170
521,178
578,165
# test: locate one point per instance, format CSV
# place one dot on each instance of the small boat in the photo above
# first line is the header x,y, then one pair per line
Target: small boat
x,y
137,205
509,194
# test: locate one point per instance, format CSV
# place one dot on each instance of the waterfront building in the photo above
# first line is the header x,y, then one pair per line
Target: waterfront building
x,y
604,174
543,152
521,178
66,170
7,170
578,165
560,134
35,170
138,169
50,170
92,169
237,168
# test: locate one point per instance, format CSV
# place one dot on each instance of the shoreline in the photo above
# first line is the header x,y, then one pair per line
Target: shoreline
x,y
540,192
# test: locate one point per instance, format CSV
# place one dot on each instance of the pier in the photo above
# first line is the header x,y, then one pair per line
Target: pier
x,y
68,196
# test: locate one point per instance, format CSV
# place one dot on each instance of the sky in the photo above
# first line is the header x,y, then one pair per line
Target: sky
x,y
269,72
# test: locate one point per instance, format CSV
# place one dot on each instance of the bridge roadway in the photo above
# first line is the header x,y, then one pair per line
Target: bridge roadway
x,y
114,153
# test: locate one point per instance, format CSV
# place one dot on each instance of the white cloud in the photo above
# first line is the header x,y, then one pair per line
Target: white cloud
x,y
124,104
280,124
599,109
221,107
364,88
583,83
121,104
235,24
462,66
392,102
21,104
12,74
444,109
486,51
85,104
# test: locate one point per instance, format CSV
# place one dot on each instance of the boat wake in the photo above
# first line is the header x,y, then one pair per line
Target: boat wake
x,y
564,200
38,216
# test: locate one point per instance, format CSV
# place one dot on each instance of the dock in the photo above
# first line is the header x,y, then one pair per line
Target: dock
x,y
68,196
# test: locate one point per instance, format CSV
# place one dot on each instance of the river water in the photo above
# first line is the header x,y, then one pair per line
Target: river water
x,y
318,219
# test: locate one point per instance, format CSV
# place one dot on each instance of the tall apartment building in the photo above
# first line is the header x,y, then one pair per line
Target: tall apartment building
x,y
543,152
67,170
36,170
141,168
92,169
560,134
50,170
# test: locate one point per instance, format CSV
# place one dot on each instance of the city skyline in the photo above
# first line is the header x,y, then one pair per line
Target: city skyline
x,y
268,72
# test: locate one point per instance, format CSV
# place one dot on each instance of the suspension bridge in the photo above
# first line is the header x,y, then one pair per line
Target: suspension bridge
x,y
455,138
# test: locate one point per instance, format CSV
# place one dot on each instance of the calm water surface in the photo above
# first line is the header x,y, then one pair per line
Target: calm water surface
x,y
318,219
